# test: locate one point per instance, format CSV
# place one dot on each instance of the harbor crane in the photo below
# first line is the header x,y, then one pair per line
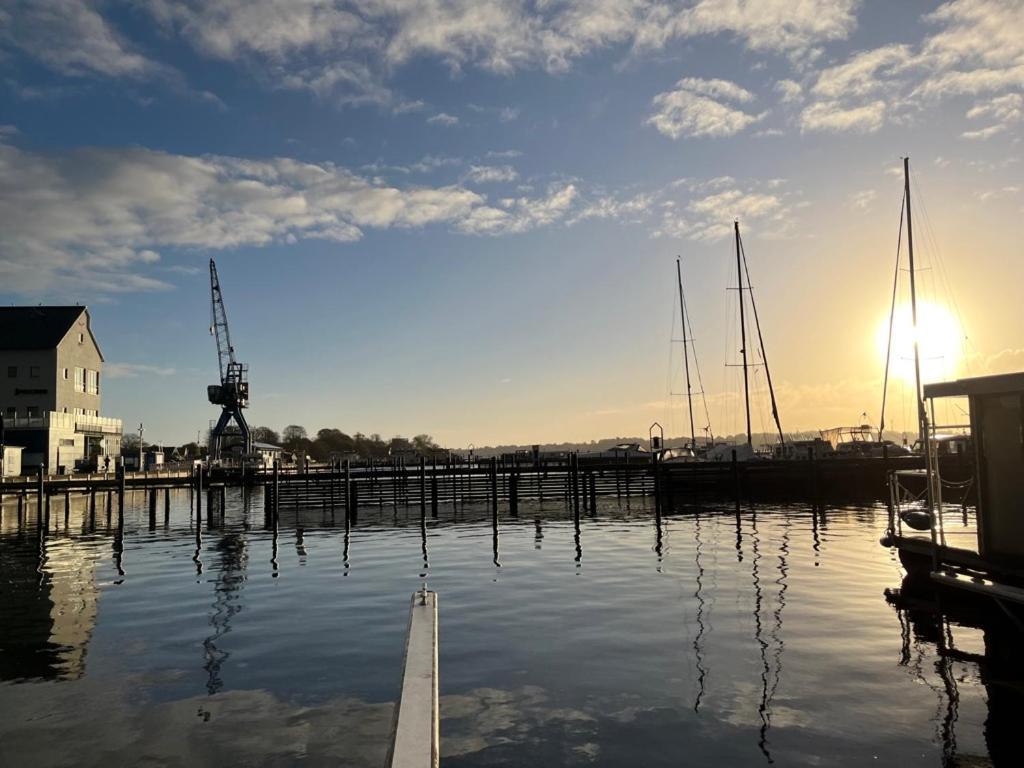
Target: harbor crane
x,y
232,394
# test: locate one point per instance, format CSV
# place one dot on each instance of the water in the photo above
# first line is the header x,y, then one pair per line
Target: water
x,y
710,639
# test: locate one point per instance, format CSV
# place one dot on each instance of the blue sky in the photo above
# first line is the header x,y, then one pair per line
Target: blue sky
x,y
461,218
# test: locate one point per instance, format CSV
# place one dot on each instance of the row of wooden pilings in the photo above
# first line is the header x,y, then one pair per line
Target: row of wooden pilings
x,y
433,486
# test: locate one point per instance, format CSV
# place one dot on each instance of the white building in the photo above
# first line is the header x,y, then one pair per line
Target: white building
x,y
50,381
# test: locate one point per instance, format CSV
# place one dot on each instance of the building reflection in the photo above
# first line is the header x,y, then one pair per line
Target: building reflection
x,y
930,619
48,601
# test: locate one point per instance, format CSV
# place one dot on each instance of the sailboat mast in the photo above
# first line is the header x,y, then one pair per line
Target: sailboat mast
x,y
686,354
743,331
913,306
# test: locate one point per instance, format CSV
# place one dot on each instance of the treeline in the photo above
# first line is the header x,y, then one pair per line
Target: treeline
x,y
330,442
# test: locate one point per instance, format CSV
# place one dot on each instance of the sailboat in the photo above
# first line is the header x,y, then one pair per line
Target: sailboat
x,y
745,451
691,451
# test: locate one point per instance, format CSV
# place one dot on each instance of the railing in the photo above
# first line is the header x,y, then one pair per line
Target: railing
x,y
77,421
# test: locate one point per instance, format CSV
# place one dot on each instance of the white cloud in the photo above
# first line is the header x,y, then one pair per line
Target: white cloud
x,y
863,200
977,48
833,116
352,48
71,37
789,90
521,213
443,118
698,107
489,174
610,207
134,370
97,218
984,133
708,213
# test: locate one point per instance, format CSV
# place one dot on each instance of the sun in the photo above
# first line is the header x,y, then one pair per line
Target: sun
x,y
939,337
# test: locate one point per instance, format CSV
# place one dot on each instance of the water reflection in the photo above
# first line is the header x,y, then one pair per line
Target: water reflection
x,y
930,622
629,677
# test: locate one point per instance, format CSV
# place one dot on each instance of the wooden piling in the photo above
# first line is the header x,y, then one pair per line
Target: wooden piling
x,y
513,494
423,488
494,486
433,489
40,490
167,505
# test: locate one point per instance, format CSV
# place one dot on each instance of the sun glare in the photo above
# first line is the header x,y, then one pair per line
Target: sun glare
x,y
939,336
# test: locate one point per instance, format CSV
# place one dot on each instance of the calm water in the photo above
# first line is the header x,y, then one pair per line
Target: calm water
x,y
712,639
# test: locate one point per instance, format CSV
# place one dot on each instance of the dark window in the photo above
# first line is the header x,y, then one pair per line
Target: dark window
x,y
12,371
12,411
32,411
33,371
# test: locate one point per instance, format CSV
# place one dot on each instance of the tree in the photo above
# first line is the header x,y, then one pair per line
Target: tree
x,y
266,435
293,433
130,444
424,444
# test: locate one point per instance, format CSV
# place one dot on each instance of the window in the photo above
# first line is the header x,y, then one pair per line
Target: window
x,y
79,379
33,371
12,371
92,382
65,374
12,411
67,442
32,411
81,338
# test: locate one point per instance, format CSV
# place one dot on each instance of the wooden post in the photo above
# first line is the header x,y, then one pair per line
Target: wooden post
x,y
735,476
433,489
494,487
513,494
593,494
152,509
423,488
199,491
120,500
167,505
40,490
277,490
348,488
353,516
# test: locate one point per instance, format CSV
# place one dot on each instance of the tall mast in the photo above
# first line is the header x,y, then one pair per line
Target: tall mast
x,y
913,307
764,355
686,354
743,330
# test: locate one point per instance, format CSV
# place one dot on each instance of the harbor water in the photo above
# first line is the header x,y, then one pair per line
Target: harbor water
x,y
708,635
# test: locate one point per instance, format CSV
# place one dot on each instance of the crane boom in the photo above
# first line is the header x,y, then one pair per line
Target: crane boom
x,y
219,325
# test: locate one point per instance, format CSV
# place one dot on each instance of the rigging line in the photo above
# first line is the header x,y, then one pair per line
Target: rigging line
x,y
892,315
941,268
760,339
700,381
686,354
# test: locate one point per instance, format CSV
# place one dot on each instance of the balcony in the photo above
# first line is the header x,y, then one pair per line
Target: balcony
x,y
74,421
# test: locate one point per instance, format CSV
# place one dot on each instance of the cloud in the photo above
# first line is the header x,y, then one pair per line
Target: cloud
x,y
488,174
609,207
789,90
832,116
134,370
984,133
977,48
698,107
711,206
443,118
71,37
521,213
96,218
863,200
352,49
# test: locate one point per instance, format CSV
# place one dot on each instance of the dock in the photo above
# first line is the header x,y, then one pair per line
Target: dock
x,y
417,735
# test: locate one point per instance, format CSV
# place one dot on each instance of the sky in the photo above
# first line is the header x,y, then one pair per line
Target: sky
x,y
462,217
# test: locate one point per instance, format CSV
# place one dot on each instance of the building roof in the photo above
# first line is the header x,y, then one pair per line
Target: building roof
x,y
1004,383
270,447
25,328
